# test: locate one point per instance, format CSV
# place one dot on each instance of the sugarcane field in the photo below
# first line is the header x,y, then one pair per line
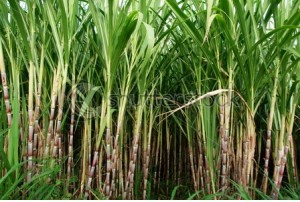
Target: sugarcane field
x,y
149,99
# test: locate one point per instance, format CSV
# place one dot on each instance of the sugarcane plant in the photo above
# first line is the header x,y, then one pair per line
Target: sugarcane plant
x,y
157,99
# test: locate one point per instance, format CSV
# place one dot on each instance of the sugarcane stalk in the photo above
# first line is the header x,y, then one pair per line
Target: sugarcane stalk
x,y
283,160
156,154
71,135
245,160
89,166
115,152
168,140
208,172
223,145
175,160
294,163
160,164
147,150
100,161
84,163
90,150
95,157
52,114
30,123
279,157
240,157
96,122
108,158
134,151
180,160
269,131
190,152
208,178
5,93
201,166
121,169
61,99
36,147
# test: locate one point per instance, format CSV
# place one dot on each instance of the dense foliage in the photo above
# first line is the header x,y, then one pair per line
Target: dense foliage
x,y
149,99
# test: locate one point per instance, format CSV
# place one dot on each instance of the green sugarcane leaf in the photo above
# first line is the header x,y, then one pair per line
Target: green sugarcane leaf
x,y
20,19
132,22
174,191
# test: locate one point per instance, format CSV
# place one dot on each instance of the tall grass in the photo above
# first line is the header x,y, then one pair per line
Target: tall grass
x,y
133,99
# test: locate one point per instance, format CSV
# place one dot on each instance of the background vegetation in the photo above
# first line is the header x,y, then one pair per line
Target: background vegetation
x,y
149,99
